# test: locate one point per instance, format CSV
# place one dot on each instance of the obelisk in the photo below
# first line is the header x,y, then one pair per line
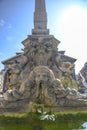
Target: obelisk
x,y
40,19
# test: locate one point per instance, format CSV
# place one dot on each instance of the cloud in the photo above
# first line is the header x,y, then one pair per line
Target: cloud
x,y
2,55
9,38
2,23
6,24
9,26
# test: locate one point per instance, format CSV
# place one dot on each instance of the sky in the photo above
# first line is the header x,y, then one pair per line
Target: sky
x,y
67,21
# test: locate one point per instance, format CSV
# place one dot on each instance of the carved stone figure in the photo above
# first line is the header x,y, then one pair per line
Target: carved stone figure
x,y
13,79
41,74
82,79
37,83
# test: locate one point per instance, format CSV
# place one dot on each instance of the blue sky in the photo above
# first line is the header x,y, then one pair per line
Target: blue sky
x,y
67,21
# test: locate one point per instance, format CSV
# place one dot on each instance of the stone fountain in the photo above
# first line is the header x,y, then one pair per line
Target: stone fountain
x,y
40,76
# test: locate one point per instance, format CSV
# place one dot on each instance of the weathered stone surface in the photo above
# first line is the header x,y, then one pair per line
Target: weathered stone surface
x,y
82,79
40,75
40,19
